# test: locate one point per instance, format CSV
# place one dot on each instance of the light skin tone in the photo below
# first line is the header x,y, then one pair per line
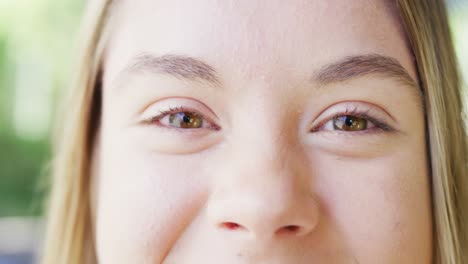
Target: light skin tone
x,y
261,132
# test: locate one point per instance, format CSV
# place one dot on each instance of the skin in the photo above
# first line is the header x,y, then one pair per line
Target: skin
x,y
267,178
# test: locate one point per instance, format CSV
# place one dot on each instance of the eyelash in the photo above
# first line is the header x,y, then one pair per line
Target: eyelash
x,y
355,112
173,110
379,125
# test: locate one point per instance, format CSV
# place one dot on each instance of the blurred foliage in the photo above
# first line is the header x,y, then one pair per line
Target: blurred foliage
x,y
41,34
21,163
37,39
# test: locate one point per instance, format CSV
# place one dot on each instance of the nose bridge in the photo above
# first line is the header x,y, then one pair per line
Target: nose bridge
x,y
260,159
262,191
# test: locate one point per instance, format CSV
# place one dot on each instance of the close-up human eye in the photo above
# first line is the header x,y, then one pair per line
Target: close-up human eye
x,y
348,123
181,118
180,115
354,121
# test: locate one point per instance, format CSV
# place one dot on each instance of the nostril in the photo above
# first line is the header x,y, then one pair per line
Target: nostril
x,y
232,226
289,229
292,228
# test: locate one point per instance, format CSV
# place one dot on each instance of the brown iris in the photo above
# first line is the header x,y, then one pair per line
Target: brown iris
x,y
186,120
349,123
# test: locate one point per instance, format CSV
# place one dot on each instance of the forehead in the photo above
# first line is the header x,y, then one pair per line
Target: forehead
x,y
257,37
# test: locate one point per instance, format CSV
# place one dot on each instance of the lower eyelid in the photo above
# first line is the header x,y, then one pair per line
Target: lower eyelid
x,y
368,133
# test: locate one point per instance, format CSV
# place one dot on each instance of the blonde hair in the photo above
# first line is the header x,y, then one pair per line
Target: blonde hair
x,y
70,235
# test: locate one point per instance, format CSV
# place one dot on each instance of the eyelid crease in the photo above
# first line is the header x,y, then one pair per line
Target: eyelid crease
x,y
150,105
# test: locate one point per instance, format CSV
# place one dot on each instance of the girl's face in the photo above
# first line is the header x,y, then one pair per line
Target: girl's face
x,y
261,131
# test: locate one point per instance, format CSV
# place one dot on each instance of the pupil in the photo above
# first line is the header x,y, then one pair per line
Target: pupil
x,y
186,118
349,121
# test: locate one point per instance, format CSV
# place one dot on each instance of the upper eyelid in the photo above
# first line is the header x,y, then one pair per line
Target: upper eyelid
x,y
172,110
356,107
180,101
357,104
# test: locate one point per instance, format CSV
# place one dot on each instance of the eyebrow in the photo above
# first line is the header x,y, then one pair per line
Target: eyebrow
x,y
352,67
179,66
348,68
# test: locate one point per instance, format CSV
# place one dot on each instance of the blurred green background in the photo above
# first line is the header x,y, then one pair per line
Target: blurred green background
x,y
37,41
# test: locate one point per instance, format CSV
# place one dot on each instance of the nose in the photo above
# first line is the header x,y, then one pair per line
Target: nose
x,y
259,199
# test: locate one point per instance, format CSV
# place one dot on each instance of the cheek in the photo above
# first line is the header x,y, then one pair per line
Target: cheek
x,y
381,206
144,202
